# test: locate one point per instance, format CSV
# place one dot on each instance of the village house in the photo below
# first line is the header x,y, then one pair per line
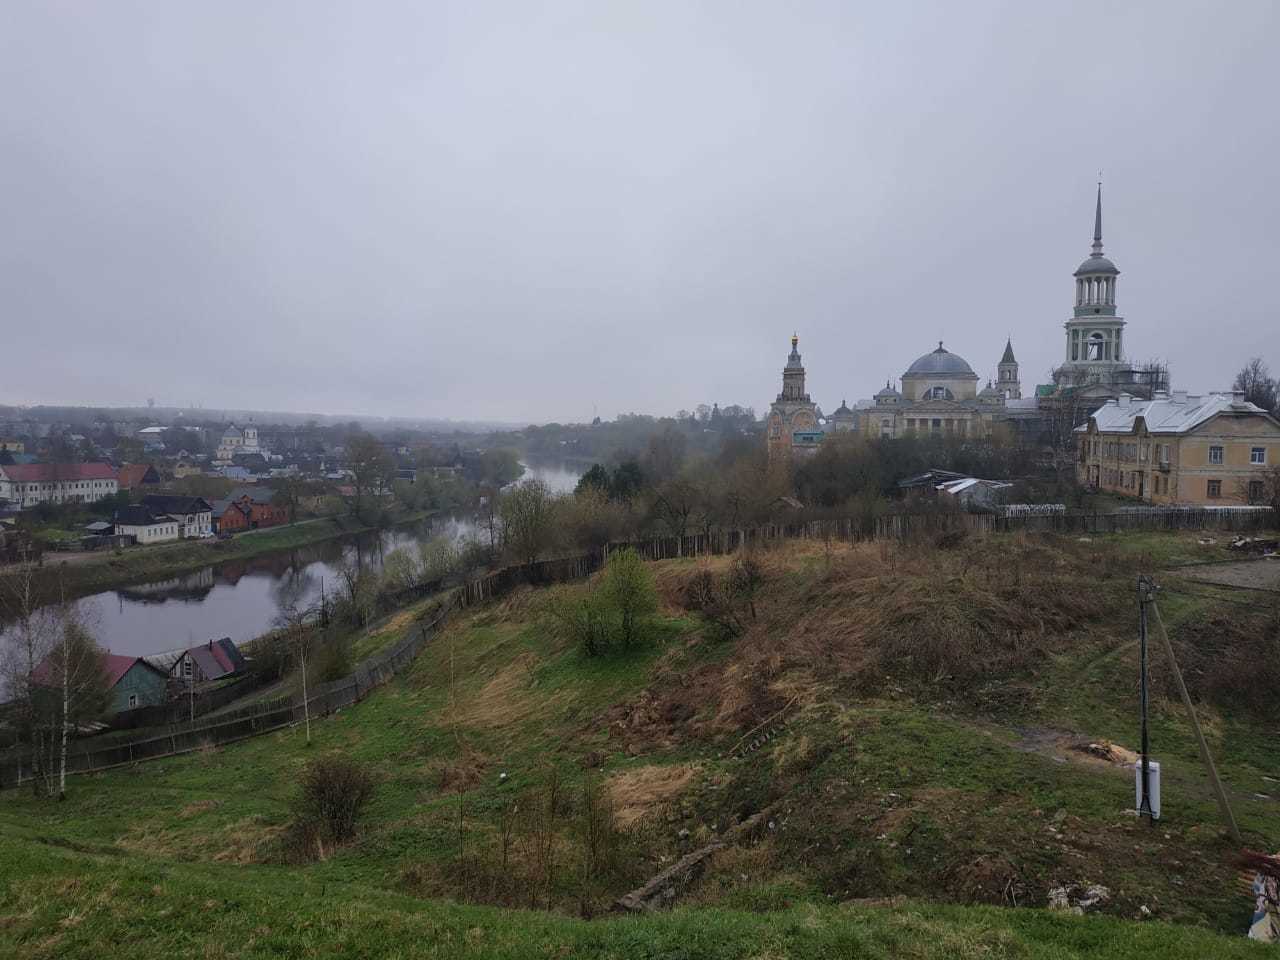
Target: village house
x,y
131,681
1179,449
193,514
249,508
131,476
26,485
145,525
212,660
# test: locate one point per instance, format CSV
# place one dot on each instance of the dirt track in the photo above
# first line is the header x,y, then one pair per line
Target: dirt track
x,y
1249,574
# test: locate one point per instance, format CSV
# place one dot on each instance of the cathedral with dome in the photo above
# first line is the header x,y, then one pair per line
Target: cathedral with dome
x,y
940,393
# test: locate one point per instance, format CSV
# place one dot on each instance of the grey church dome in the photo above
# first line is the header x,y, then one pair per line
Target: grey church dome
x,y
1096,264
941,362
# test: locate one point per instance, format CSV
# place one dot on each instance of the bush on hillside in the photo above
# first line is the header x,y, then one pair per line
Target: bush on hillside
x,y
629,593
333,793
727,603
616,611
581,616
333,661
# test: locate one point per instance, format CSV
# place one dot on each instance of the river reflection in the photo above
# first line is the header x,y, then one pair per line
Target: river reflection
x,y
241,599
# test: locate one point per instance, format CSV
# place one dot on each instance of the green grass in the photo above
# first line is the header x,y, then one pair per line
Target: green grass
x,y
68,904
905,788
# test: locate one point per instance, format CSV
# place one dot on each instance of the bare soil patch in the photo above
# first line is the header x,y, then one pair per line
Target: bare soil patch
x,y
1261,574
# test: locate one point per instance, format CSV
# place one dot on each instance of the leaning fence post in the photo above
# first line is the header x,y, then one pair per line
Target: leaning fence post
x,y
1219,793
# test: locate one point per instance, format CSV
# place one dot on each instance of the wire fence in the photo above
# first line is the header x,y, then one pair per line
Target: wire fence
x,y
267,716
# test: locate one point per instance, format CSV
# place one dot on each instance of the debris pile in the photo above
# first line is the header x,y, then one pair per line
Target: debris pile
x,y
1263,545
1077,898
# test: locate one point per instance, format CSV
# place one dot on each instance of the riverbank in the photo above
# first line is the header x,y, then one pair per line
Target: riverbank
x,y
106,570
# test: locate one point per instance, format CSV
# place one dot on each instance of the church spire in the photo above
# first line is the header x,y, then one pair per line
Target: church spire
x,y
1097,224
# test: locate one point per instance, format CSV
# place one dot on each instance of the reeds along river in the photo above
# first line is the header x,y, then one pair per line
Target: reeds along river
x,y
241,599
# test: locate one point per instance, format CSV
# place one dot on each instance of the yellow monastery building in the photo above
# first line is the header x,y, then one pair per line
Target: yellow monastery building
x,y
1180,449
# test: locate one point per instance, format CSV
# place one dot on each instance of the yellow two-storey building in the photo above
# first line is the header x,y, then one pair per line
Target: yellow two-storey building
x,y
1180,449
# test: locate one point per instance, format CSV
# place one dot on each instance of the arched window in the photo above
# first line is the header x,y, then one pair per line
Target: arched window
x,y
1094,347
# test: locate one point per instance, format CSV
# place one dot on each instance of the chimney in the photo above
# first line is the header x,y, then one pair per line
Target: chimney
x,y
1179,396
1125,400
1160,395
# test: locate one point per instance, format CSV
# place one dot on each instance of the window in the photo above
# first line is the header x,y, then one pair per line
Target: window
x,y
1094,348
1215,454
133,700
1257,491
186,666
1214,489
1257,454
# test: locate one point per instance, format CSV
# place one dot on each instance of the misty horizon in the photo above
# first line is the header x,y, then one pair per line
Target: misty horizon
x,y
496,213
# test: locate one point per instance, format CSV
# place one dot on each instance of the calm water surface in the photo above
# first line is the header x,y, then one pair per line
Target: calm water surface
x,y
241,599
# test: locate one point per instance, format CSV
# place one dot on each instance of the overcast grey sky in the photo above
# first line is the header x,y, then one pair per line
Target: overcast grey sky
x,y
519,210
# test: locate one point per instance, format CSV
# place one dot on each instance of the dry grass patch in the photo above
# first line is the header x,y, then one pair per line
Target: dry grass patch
x,y
503,701
241,842
198,807
642,791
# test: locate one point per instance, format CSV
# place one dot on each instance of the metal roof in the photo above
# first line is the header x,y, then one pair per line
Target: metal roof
x,y
1174,414
941,362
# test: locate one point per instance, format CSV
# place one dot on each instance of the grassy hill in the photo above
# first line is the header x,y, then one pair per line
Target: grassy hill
x,y
928,771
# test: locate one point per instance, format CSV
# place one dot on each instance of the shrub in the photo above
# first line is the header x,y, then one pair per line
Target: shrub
x,y
709,597
727,603
268,657
333,661
333,793
582,617
628,589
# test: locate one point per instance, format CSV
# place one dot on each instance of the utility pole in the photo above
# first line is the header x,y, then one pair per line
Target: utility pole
x,y
1145,588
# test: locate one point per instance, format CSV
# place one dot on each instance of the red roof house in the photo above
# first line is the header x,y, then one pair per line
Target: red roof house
x,y
134,475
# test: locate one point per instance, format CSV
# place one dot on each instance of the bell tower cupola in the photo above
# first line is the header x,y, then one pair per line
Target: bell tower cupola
x,y
793,375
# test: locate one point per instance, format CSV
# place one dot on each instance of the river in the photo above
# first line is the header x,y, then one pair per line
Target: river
x,y
241,599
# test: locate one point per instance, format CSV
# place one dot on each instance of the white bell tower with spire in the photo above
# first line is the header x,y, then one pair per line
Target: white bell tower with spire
x,y
1095,333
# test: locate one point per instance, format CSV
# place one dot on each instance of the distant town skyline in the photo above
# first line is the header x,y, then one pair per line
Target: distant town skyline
x,y
499,212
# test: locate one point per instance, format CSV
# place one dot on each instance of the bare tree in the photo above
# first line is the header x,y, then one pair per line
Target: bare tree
x,y
76,671
1261,489
1258,386
490,518
674,503
371,468
53,671
30,638
293,621
527,519
1063,413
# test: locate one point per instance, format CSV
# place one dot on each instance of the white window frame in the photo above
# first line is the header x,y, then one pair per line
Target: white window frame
x,y
1221,453
1258,456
